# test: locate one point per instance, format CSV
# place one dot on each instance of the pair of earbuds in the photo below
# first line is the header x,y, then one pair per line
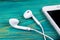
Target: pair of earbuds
x,y
28,14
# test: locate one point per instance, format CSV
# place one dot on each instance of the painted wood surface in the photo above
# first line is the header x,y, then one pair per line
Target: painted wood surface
x,y
15,9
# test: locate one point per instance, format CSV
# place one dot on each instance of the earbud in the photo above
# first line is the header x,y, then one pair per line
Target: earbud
x,y
14,23
28,14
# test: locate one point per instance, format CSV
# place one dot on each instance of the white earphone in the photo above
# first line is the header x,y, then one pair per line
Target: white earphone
x,y
14,23
28,14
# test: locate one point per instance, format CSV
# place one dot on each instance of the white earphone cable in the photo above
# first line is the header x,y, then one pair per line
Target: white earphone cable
x,y
14,23
42,30
39,25
42,34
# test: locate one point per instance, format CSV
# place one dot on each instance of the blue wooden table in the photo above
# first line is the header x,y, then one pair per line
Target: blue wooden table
x,y
15,9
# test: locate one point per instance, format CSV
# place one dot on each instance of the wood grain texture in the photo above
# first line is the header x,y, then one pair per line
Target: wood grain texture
x,y
16,9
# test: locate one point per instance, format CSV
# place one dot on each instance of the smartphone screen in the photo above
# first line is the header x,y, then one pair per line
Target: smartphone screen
x,y
55,15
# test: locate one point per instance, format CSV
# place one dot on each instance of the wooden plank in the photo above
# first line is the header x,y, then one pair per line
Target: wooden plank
x,y
11,9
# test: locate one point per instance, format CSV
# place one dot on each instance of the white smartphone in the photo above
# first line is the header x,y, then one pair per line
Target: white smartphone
x,y
53,15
